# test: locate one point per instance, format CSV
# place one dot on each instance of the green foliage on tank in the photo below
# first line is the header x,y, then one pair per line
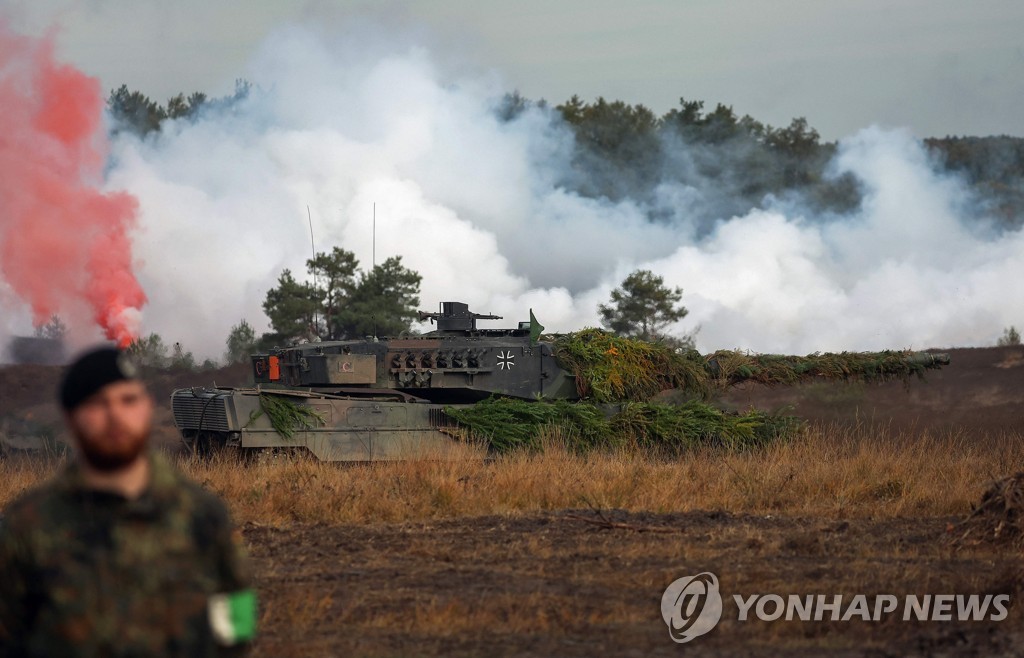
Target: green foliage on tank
x,y
287,416
610,368
508,425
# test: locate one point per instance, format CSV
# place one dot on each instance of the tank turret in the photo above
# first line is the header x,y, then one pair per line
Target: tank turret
x,y
456,362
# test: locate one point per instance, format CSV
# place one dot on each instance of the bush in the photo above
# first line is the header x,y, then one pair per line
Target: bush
x,y
1010,337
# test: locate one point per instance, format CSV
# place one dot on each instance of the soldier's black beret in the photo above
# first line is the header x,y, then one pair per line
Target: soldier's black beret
x,y
92,371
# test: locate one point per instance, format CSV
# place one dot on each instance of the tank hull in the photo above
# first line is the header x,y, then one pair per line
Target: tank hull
x,y
344,429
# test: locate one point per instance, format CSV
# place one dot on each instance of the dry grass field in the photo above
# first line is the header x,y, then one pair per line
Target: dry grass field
x,y
831,472
564,554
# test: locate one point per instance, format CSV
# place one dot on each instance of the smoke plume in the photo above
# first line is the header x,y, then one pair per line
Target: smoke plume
x,y
65,247
477,204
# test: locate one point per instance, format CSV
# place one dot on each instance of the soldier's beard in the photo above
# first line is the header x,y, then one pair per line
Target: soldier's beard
x,y
112,452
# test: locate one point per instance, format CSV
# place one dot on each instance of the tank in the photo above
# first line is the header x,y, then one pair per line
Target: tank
x,y
386,398
376,398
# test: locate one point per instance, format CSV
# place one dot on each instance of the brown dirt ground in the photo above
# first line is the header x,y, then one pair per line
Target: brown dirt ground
x,y
557,584
566,583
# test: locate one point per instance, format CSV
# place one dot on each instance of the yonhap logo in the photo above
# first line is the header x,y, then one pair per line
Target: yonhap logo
x,y
691,606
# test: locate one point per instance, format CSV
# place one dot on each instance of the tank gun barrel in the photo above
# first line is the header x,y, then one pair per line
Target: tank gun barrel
x,y
612,368
727,368
929,360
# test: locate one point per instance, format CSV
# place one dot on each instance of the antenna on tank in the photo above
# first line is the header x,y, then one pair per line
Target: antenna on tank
x,y
312,246
373,261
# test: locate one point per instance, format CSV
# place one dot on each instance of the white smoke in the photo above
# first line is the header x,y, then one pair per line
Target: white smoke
x,y
473,204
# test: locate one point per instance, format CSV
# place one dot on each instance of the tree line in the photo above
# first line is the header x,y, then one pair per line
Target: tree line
x,y
133,111
624,150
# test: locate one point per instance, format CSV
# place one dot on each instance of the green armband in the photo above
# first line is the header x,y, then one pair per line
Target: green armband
x,y
233,616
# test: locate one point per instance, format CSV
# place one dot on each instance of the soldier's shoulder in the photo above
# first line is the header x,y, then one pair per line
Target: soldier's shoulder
x,y
35,506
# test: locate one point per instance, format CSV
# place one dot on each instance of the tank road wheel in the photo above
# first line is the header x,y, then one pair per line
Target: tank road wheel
x,y
206,444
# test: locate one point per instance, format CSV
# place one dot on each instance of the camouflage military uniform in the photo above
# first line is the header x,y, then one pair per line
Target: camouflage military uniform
x,y
91,573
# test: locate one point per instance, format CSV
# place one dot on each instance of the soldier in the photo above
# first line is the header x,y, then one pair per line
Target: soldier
x,y
120,555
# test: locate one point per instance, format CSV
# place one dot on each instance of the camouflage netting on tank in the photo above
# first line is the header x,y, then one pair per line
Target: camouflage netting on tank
x,y
998,517
611,368
727,367
287,416
695,424
508,425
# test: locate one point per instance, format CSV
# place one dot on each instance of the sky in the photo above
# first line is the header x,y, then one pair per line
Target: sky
x,y
935,67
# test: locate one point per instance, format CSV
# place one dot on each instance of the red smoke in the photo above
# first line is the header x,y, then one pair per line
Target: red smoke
x,y
62,240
